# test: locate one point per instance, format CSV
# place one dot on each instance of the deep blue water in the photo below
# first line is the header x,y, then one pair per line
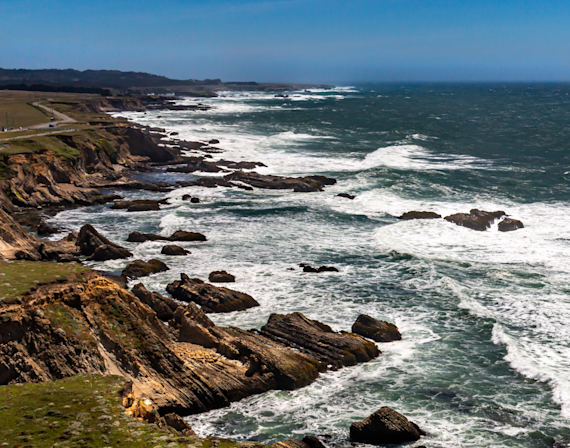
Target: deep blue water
x,y
485,355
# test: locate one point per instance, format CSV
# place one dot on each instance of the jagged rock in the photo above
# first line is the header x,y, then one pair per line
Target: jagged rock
x,y
378,330
164,307
45,229
109,252
139,268
182,235
307,442
346,195
221,277
179,235
172,249
211,298
319,341
139,205
476,219
419,215
91,242
297,184
179,424
196,164
307,268
508,225
385,427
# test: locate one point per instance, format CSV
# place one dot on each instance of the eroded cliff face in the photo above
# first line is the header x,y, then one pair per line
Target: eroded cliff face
x,y
68,170
88,324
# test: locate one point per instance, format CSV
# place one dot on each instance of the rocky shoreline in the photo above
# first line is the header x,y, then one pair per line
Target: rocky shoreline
x,y
174,357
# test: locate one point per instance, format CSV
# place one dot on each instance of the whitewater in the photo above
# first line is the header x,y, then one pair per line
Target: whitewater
x,y
485,355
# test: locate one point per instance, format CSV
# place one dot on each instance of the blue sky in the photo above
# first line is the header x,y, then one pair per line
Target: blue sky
x,y
294,41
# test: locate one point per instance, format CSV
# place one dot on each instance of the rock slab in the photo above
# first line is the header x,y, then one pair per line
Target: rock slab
x,y
378,330
385,427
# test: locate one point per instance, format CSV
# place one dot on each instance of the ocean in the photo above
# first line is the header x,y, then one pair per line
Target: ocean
x,y
485,355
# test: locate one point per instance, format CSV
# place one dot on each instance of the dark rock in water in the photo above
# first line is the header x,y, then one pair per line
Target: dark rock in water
x,y
297,184
179,424
182,235
221,277
211,298
172,249
164,307
109,252
139,205
139,268
214,141
179,235
346,195
240,165
137,237
186,197
307,268
385,427
195,200
476,219
45,229
196,164
91,242
378,330
419,215
508,225
317,340
327,269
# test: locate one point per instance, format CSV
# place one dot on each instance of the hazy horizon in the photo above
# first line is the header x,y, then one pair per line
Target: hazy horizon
x,y
333,42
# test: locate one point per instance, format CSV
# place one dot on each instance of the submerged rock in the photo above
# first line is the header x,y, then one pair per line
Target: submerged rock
x,y
508,225
179,235
378,330
297,184
139,205
319,341
346,195
211,298
221,277
419,215
308,268
385,427
139,268
475,219
172,249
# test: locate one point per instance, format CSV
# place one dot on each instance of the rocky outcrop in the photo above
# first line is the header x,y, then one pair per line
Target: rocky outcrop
x,y
419,215
378,330
179,424
140,268
346,195
318,341
475,219
89,324
206,166
83,164
45,229
385,427
164,307
179,235
307,442
193,200
253,179
221,277
174,250
310,269
97,247
211,298
139,205
297,184
508,225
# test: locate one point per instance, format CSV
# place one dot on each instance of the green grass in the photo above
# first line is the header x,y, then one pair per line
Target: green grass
x,y
82,411
17,277
14,110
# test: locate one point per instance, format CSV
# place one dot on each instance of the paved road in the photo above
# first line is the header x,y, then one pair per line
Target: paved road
x,y
64,118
